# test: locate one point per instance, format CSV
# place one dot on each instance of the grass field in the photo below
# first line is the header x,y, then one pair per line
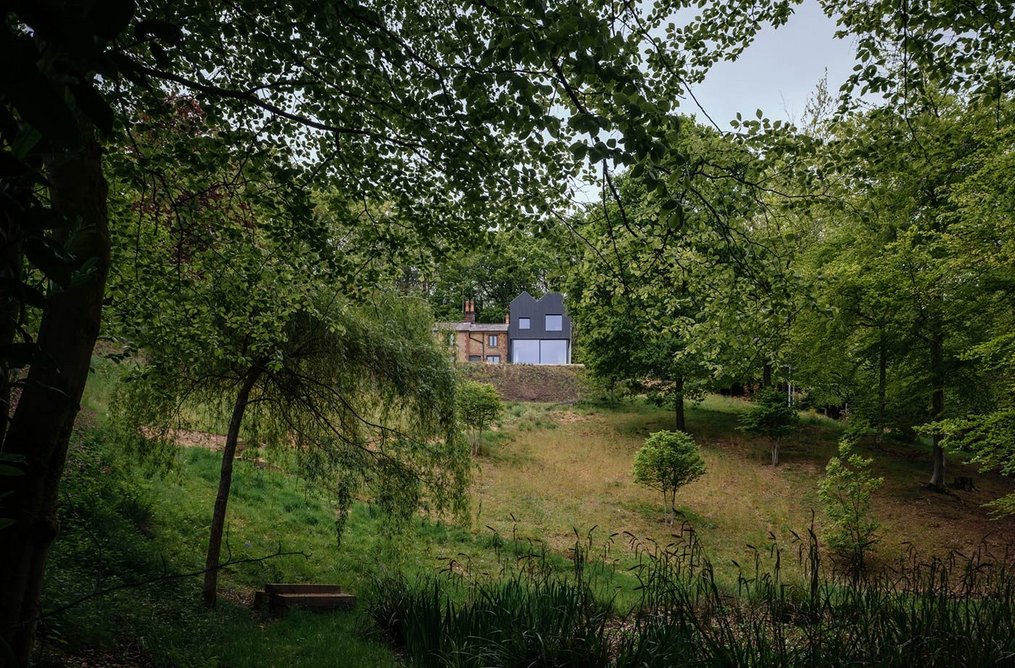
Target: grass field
x,y
547,473
576,472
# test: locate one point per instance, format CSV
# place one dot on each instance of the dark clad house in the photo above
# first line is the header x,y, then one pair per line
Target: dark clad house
x,y
535,331
539,330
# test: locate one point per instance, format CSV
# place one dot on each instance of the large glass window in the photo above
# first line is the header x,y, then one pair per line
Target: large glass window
x,y
553,351
524,323
554,323
525,351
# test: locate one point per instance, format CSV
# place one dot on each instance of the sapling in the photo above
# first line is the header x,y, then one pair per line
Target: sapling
x,y
770,416
846,490
666,462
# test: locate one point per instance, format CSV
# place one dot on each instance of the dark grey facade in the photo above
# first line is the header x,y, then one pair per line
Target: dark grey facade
x,y
539,330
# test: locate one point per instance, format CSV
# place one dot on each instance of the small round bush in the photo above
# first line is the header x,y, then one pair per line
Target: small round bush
x,y
668,461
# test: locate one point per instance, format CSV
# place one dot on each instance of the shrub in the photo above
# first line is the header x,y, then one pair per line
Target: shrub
x,y
668,461
478,406
846,491
772,417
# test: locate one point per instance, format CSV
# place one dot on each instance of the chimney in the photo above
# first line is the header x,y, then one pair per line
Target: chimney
x,y
470,311
507,318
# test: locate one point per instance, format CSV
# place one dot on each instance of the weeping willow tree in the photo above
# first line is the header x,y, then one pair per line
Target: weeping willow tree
x,y
226,286
360,395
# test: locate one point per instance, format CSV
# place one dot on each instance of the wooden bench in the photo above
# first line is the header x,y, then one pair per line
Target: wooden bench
x,y
279,597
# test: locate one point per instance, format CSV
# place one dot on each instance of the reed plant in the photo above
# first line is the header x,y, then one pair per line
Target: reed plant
x,y
790,607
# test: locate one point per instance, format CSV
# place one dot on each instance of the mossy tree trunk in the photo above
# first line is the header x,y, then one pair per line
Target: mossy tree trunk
x,y
41,426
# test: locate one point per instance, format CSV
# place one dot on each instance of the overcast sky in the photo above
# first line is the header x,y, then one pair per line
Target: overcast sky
x,y
778,71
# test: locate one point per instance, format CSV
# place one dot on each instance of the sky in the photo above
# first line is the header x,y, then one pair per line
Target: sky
x,y
778,71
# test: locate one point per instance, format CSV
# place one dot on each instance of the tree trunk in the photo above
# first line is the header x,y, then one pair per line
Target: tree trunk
x,y
937,408
680,420
766,374
41,426
882,388
10,316
775,453
218,518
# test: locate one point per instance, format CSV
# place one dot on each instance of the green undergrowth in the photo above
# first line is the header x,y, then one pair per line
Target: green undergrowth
x,y
542,470
946,612
123,527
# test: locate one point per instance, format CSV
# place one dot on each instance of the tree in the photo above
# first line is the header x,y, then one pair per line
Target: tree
x,y
685,276
490,274
770,415
456,129
478,406
984,246
846,490
355,389
988,440
666,462
896,269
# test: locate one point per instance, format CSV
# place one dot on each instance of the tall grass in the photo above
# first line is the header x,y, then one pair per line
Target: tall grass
x,y
957,611
532,617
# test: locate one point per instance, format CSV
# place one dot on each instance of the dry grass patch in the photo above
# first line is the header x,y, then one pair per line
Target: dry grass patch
x,y
565,470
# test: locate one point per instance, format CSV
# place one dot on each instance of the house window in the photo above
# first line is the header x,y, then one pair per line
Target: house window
x,y
524,323
525,351
493,359
475,358
553,351
554,323
492,340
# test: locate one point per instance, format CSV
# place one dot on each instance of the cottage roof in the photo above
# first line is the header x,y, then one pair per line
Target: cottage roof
x,y
473,326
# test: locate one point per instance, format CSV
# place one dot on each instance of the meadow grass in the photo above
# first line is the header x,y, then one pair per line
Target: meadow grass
x,y
546,476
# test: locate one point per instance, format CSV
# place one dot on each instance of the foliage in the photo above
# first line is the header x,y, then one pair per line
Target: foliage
x,y
479,404
350,383
672,288
846,491
683,615
270,505
120,525
668,461
906,286
984,246
531,617
491,274
771,416
989,442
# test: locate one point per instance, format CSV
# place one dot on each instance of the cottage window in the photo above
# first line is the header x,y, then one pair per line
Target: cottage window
x,y
554,323
492,341
493,359
475,358
524,323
